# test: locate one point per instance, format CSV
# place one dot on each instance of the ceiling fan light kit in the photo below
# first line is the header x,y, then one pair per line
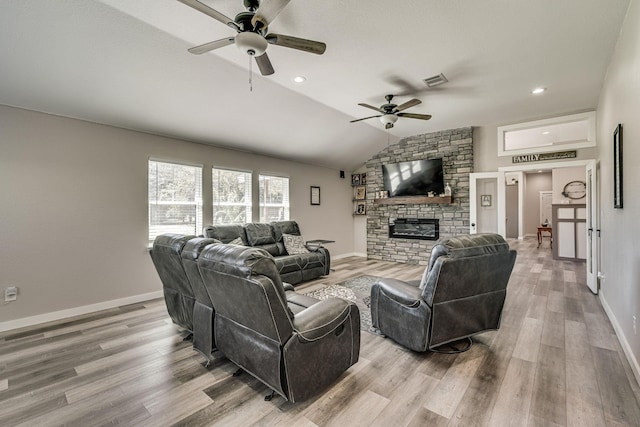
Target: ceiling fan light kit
x,y
252,44
388,119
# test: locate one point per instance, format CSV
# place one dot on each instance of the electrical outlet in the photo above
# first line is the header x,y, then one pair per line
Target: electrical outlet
x,y
10,293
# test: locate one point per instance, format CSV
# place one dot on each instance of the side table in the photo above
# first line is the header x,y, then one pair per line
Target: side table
x,y
545,230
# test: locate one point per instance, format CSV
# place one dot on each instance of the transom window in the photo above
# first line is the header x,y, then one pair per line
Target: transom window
x,y
274,198
175,199
231,196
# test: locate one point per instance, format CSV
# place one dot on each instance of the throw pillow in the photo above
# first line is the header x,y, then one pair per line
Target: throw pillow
x,y
236,241
294,244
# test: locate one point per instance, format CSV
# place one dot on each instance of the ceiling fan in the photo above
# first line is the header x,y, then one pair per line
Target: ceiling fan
x,y
390,112
252,37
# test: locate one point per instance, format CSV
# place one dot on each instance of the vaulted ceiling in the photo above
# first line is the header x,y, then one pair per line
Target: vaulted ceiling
x,y
125,63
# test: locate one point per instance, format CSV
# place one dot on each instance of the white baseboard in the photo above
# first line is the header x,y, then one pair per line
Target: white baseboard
x,y
348,255
76,311
633,362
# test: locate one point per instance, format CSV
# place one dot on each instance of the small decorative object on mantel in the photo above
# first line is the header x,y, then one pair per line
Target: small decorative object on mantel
x,y
617,167
355,179
315,195
447,190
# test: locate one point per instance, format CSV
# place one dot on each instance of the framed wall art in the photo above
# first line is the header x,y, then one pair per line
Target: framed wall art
x,y
485,200
617,167
315,195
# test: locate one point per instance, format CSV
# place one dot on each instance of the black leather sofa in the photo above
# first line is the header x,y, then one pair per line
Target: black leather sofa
x,y
462,293
296,351
293,269
189,305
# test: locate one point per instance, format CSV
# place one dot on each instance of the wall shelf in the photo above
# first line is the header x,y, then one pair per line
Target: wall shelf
x,y
414,200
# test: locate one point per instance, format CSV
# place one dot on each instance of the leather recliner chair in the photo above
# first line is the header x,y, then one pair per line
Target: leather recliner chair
x,y
178,293
462,293
203,310
296,355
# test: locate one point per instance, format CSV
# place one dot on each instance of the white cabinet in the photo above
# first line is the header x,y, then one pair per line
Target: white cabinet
x,y
569,232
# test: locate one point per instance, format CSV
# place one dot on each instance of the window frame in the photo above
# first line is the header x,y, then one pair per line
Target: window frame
x,y
248,196
197,202
286,204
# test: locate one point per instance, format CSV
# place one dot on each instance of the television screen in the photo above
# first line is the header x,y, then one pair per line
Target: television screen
x,y
416,178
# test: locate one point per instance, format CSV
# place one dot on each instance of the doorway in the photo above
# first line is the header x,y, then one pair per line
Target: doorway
x,y
592,238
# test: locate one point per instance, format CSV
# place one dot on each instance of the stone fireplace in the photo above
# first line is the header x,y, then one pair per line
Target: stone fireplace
x,y
414,228
396,218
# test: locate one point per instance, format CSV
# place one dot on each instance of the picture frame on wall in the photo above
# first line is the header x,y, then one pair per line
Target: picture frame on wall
x,y
485,200
360,192
363,178
361,209
617,167
315,195
355,179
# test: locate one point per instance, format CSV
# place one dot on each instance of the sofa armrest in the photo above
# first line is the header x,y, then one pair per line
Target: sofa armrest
x,y
288,286
401,292
322,318
327,257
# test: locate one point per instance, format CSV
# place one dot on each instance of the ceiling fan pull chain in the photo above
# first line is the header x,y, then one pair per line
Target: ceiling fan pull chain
x,y
250,74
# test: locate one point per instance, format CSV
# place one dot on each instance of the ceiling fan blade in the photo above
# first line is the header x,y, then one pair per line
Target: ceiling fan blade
x,y
267,12
409,103
365,118
369,106
296,43
207,47
415,116
264,64
201,7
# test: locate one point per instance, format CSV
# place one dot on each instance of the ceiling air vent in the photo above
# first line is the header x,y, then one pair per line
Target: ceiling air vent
x,y
435,80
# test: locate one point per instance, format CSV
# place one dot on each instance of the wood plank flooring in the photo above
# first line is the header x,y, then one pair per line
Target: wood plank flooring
x,y
555,362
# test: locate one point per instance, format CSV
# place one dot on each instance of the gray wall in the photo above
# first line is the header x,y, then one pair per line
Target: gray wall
x,y
73,211
620,253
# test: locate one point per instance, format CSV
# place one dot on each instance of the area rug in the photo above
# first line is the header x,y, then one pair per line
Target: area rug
x,y
357,290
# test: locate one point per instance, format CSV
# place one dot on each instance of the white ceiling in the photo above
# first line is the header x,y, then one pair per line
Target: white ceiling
x,y
125,63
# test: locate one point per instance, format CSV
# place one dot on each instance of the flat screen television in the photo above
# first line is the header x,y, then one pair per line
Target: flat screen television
x,y
415,178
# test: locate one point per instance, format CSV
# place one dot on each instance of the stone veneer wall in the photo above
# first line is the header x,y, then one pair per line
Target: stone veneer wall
x,y
455,146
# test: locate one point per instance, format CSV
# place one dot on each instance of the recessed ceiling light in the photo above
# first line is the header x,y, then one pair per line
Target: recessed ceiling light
x,y
546,132
539,171
299,79
538,90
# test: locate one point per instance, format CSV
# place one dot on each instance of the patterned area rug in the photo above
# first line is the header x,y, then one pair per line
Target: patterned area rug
x,y
357,290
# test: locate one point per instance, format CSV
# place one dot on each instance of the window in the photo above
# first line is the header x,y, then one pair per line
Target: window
x,y
175,199
274,198
231,196
548,135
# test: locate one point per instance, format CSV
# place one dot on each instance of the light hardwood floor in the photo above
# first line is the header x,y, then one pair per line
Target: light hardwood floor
x,y
555,362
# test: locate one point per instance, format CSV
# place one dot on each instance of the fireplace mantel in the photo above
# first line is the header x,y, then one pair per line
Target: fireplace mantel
x,y
414,200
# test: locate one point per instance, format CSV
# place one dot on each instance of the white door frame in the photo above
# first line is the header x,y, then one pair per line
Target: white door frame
x,y
592,226
501,208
